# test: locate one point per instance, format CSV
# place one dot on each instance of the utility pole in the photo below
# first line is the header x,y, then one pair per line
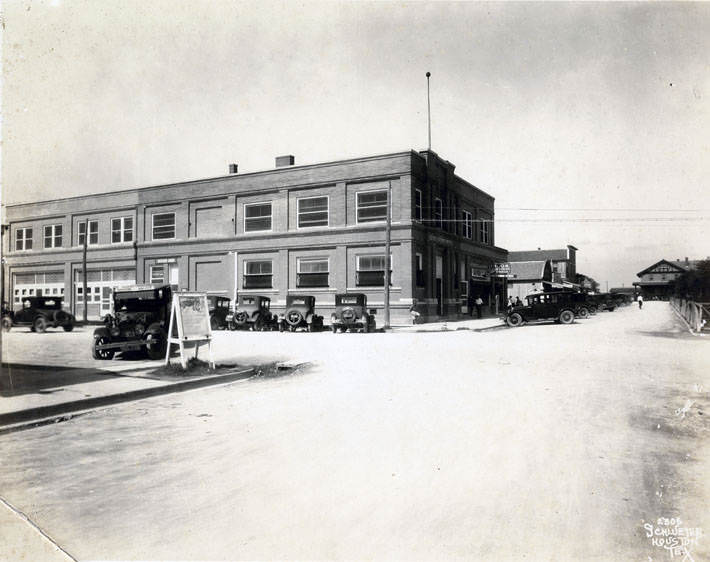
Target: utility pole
x,y
83,266
428,106
388,228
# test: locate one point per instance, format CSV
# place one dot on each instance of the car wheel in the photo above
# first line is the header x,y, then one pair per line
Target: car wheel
x,y
566,317
214,323
156,343
583,312
365,327
309,327
334,328
40,324
68,327
514,320
258,326
6,323
102,354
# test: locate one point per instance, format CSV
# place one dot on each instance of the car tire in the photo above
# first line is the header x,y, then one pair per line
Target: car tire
x,y
214,323
157,349
514,320
583,312
68,327
566,317
40,324
334,328
365,327
6,323
101,354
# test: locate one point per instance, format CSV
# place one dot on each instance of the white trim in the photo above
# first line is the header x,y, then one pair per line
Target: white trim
x,y
387,203
244,217
152,226
298,211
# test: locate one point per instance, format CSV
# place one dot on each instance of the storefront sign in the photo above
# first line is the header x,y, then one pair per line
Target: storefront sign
x,y
479,272
501,268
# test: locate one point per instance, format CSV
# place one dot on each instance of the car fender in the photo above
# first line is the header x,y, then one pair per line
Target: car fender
x,y
154,328
102,332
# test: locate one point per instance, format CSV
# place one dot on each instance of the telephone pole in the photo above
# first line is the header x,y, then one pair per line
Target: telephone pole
x,y
388,266
84,273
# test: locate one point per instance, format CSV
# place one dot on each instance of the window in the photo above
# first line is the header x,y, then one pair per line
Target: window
x,y
53,236
257,216
438,212
93,232
467,225
418,205
80,293
485,230
157,275
164,226
371,206
420,270
122,230
258,274
23,239
312,211
371,271
312,272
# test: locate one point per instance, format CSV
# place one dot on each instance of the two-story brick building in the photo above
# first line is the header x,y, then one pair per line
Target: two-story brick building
x,y
316,229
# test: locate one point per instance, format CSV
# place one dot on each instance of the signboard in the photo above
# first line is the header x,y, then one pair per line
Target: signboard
x,y
501,268
190,318
479,272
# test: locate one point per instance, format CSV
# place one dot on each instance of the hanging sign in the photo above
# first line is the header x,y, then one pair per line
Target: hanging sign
x,y
189,322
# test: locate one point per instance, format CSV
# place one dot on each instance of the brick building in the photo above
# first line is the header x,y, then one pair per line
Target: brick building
x,y
316,229
563,262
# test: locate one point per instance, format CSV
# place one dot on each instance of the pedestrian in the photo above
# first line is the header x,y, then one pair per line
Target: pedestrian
x,y
518,302
639,299
511,303
479,304
413,312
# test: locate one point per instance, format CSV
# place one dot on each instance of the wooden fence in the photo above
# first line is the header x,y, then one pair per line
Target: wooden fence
x,y
696,314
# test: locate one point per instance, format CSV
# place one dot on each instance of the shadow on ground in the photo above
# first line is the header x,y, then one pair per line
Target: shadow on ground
x,y
17,379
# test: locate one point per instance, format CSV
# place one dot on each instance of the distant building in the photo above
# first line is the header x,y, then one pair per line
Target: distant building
x,y
657,280
563,262
528,277
312,229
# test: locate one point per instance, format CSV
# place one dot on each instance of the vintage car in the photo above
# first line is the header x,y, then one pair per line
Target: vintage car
x,y
139,321
219,310
300,313
252,312
39,313
557,306
351,313
603,301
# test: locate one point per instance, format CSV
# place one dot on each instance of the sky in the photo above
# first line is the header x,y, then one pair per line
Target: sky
x,y
588,122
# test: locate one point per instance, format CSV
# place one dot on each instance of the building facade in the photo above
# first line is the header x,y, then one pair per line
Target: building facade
x,y
529,277
658,280
562,261
318,229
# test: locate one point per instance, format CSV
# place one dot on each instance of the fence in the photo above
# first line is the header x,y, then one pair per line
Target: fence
x,y
696,314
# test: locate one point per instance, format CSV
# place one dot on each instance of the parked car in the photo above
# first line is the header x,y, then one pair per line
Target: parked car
x,y
300,313
39,313
139,321
557,306
253,311
604,301
351,313
219,309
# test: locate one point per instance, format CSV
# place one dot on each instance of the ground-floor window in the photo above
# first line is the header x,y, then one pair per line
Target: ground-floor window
x,y
258,274
371,271
420,270
312,272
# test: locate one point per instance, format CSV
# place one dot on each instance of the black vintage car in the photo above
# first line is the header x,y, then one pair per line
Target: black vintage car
x,y
351,313
603,301
139,321
39,313
557,306
300,313
219,309
253,311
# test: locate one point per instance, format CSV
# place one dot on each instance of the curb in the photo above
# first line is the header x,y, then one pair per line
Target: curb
x,y
44,414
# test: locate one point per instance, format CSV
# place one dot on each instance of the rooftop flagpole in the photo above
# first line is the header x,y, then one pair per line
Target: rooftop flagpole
x,y
428,106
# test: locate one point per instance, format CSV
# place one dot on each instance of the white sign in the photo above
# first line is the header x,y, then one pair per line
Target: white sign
x,y
190,317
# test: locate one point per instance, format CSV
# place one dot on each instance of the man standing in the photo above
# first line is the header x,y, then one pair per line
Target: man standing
x,y
639,299
479,304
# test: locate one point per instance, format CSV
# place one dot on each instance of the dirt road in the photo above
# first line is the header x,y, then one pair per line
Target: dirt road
x,y
545,442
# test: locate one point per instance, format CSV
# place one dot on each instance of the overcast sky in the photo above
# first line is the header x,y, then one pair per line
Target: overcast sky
x,y
550,106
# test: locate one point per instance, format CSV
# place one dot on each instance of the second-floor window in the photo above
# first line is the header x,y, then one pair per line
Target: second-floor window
x,y
371,206
438,213
257,216
93,232
312,272
312,211
23,239
122,230
53,236
485,231
258,274
467,225
163,226
418,204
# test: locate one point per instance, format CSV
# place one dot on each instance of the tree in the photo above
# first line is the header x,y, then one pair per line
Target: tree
x,y
695,283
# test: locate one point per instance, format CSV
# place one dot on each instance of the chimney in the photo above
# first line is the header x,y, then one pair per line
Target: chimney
x,y
233,169
283,161
686,260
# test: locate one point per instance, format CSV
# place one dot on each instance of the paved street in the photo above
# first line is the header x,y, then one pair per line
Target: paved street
x,y
546,442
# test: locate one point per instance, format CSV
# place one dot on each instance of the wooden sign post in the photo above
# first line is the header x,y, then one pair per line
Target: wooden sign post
x,y
190,316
